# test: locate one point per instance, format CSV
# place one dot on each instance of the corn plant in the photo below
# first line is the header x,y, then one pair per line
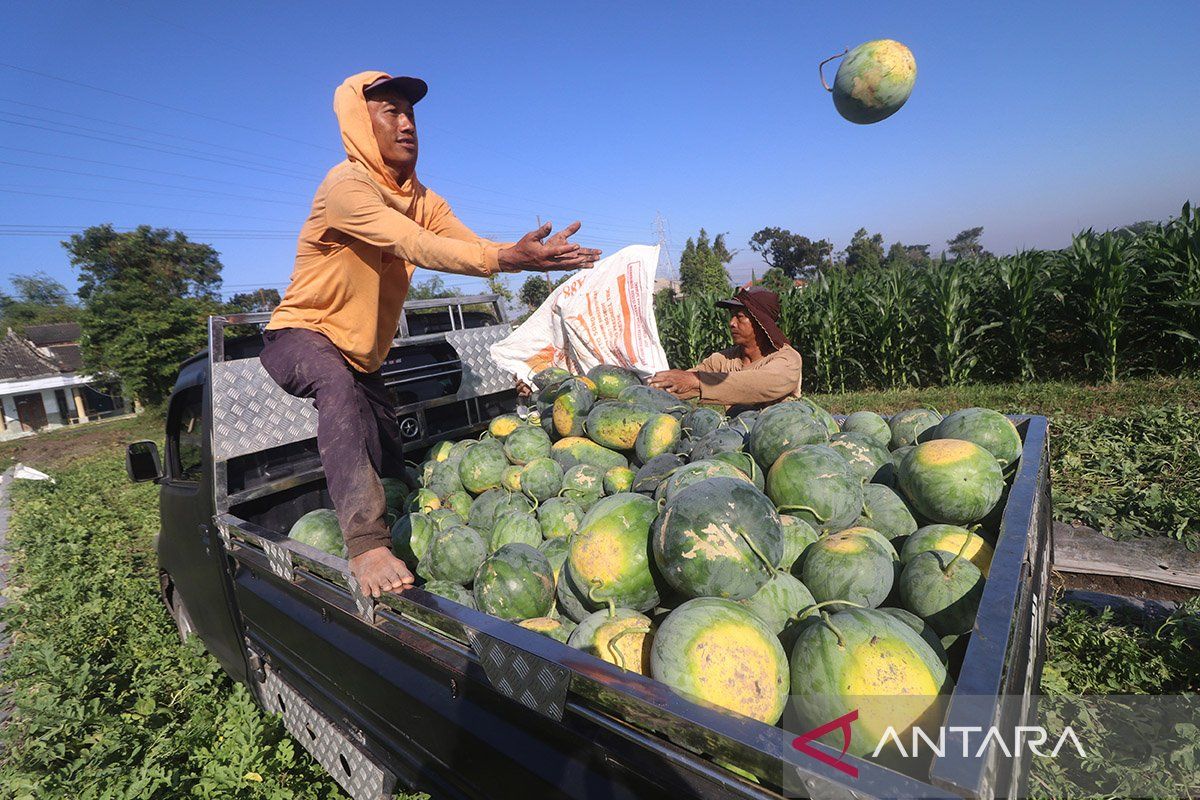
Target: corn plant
x,y
1108,281
891,326
834,329
691,328
1025,286
955,332
1171,255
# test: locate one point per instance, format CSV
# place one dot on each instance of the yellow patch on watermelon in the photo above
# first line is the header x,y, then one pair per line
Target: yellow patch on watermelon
x,y
712,542
563,416
503,426
895,59
890,685
631,651
598,557
540,624
940,452
978,552
839,543
735,668
588,382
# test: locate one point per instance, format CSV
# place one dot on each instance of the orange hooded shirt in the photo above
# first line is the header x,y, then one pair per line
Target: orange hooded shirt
x,y
364,237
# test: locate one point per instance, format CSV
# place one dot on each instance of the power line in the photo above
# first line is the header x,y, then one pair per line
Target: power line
x,y
152,183
168,151
103,136
176,109
290,68
224,148
76,159
273,135
137,205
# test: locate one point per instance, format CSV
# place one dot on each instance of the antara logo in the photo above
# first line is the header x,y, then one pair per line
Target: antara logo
x,y
842,723
1024,737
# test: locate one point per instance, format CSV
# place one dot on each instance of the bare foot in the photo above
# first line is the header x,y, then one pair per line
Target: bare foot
x,y
379,571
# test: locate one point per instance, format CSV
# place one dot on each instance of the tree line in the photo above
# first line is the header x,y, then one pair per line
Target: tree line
x,y
1113,303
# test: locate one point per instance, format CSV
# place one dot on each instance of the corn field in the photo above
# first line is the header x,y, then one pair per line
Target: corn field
x,y
1112,304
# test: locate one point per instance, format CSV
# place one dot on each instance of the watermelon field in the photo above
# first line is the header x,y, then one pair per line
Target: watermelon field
x,y
1112,305
106,703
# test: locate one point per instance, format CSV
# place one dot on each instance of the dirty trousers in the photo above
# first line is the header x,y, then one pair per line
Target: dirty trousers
x,y
357,434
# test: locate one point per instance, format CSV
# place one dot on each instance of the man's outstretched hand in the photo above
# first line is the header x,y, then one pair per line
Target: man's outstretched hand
x,y
536,253
379,571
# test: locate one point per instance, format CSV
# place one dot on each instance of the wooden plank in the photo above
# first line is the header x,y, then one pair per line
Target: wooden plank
x,y
1159,559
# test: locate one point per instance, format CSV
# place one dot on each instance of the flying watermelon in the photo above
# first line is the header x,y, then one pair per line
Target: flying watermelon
x,y
873,80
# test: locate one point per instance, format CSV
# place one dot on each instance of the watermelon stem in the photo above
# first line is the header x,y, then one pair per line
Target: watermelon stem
x,y
809,509
771,568
819,606
611,645
829,623
959,554
821,71
598,584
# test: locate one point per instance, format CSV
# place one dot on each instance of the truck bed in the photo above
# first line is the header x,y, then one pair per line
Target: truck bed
x,y
415,690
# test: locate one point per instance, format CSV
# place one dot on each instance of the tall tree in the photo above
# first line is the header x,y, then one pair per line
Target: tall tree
x,y
38,300
908,255
865,251
258,300
790,252
145,295
496,285
702,265
776,281
534,291
431,288
966,244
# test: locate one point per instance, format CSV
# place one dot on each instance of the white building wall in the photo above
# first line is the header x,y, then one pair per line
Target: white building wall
x,y
12,425
50,404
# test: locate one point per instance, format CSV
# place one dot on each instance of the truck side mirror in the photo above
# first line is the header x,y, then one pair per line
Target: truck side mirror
x,y
142,462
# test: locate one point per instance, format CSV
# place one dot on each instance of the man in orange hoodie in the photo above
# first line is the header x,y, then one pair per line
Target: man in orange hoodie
x,y
371,224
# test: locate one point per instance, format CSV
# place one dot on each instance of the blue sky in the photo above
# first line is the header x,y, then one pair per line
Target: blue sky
x,y
1032,119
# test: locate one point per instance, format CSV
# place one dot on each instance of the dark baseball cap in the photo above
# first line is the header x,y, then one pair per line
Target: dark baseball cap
x,y
763,307
412,88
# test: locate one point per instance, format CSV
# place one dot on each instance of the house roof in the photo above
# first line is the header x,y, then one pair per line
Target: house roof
x,y
20,360
54,333
68,356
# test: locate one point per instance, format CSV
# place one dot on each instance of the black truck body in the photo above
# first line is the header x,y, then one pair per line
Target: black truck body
x,y
414,690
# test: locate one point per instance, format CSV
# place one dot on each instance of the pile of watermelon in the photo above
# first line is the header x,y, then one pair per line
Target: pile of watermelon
x,y
736,559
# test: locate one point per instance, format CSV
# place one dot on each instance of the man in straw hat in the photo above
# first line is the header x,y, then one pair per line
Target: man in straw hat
x,y
761,368
371,225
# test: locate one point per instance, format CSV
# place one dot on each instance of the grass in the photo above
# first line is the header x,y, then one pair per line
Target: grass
x,y
1100,667
107,703
1052,399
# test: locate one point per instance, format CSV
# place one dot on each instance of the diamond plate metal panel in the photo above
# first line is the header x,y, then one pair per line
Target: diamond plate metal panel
x,y
532,681
251,413
481,375
364,604
280,559
354,770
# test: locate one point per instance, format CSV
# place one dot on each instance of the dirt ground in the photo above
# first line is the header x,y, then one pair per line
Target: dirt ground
x,y
1124,586
58,447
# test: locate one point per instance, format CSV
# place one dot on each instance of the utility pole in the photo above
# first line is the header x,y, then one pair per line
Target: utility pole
x,y
663,241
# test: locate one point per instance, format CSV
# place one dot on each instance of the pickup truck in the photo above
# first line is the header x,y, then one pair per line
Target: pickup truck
x,y
413,690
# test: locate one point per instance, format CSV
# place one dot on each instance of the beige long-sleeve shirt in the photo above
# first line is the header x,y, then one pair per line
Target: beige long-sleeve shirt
x,y
728,379
364,237
356,257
